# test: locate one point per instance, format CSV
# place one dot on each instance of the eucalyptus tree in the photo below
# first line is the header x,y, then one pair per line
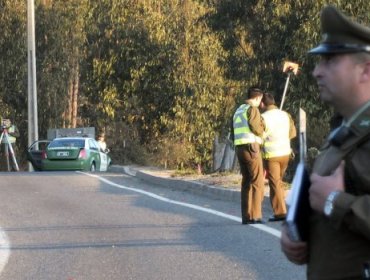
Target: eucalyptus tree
x,y
128,69
116,47
204,96
13,61
13,68
60,37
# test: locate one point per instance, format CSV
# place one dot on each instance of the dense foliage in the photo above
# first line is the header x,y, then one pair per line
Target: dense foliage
x,y
160,78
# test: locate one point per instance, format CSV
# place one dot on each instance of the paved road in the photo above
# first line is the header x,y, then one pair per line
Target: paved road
x,y
67,225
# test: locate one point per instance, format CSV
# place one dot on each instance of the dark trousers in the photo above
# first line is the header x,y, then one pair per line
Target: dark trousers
x,y
252,188
276,168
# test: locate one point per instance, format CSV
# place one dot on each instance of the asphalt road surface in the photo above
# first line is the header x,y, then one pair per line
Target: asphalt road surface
x,y
74,226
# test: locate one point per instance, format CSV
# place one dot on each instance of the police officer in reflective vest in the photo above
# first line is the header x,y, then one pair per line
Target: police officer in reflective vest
x,y
248,127
276,152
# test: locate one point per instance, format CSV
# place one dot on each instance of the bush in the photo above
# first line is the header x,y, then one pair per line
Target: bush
x,y
168,153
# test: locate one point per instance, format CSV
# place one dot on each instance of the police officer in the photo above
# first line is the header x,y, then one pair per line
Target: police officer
x,y
102,143
338,246
248,127
276,149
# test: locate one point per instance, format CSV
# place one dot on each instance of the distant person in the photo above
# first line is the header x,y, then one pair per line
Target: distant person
x,y
247,130
338,245
102,143
276,152
9,133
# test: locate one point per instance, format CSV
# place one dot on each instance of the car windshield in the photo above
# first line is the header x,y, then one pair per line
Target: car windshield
x,y
79,143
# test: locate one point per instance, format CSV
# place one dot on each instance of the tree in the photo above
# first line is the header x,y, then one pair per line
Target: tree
x,y
13,66
261,35
60,34
161,78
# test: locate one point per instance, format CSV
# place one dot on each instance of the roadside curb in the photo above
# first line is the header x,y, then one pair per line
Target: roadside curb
x,y
119,169
183,185
192,187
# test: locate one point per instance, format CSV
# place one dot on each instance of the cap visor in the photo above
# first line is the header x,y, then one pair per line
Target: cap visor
x,y
336,48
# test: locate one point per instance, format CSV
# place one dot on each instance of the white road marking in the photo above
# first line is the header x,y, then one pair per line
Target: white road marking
x,y
261,227
5,244
4,249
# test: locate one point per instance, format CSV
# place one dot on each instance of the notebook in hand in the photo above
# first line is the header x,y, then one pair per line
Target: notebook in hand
x,y
297,219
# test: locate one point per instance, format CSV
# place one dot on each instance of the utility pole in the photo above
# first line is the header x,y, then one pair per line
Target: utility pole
x,y
32,93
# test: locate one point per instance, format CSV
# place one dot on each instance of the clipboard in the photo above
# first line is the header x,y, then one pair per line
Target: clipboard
x,y
299,209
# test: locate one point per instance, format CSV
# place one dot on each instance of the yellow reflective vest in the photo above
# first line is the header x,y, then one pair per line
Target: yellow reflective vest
x,y
242,132
276,136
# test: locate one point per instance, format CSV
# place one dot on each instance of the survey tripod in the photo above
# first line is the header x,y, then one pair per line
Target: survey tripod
x,y
8,149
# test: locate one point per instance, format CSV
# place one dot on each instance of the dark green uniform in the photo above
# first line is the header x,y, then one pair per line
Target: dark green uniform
x,y
339,245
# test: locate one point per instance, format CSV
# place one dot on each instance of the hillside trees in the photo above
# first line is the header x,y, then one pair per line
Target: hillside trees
x,y
261,35
13,62
124,77
154,66
60,34
160,77
201,94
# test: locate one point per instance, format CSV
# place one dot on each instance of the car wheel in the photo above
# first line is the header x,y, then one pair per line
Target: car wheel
x,y
92,167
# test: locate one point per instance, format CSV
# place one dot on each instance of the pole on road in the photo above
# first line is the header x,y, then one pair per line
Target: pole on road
x,y
32,93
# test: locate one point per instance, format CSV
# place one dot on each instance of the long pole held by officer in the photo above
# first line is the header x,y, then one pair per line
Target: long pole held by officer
x,y
9,132
289,68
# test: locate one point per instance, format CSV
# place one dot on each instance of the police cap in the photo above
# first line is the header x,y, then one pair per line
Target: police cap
x,y
340,34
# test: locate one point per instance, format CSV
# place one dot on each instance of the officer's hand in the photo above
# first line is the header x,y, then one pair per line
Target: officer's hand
x,y
296,252
322,186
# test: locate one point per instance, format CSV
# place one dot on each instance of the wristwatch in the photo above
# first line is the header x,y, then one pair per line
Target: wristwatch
x,y
328,208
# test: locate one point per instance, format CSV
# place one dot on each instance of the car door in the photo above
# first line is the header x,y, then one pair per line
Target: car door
x,y
35,153
94,153
103,158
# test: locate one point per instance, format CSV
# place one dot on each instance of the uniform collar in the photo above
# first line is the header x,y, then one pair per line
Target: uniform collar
x,y
271,107
249,103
